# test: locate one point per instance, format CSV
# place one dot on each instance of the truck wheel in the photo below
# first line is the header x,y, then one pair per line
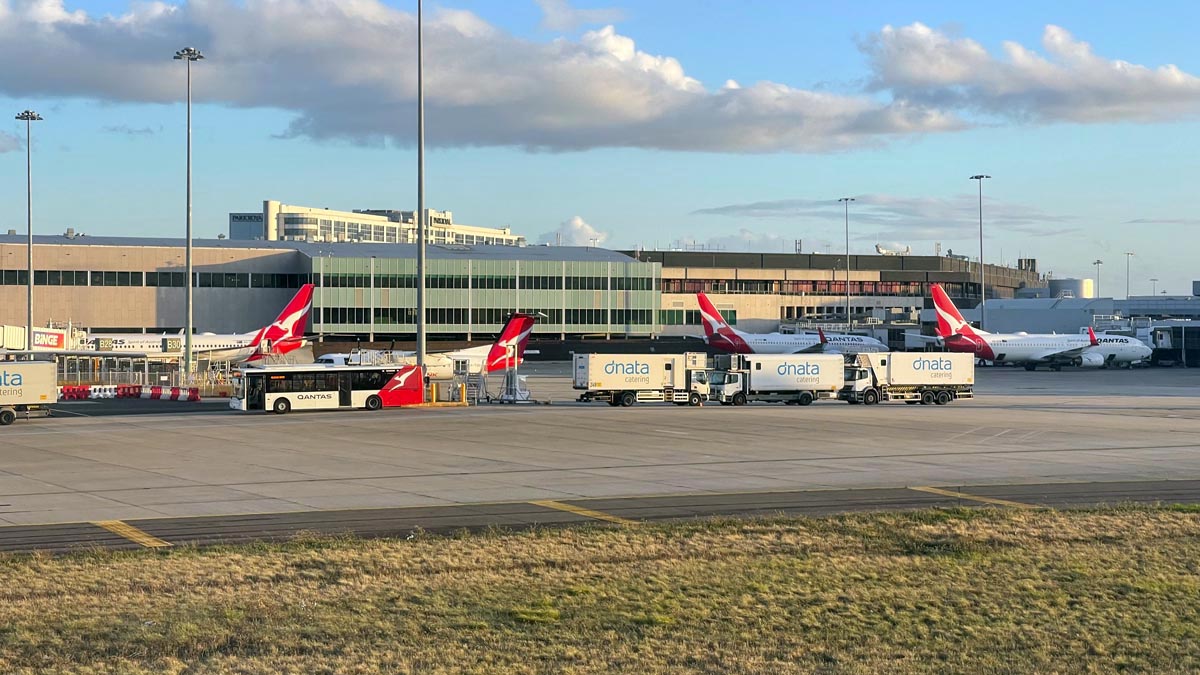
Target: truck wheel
x,y
943,397
805,398
870,397
739,399
694,399
7,417
928,397
374,403
628,398
614,402
281,406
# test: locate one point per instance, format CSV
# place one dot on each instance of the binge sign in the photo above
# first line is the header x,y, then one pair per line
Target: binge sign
x,y
49,339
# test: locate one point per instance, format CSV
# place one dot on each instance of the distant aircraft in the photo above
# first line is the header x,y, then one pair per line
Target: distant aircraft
x,y
508,349
1032,350
284,335
722,336
882,250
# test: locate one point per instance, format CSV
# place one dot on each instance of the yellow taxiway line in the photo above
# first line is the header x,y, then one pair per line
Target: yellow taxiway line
x,y
587,513
131,533
974,498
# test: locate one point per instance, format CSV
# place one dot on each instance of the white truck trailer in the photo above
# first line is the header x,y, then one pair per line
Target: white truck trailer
x,y
27,389
913,377
776,378
625,379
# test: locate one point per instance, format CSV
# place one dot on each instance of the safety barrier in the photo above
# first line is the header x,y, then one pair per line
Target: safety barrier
x,y
83,392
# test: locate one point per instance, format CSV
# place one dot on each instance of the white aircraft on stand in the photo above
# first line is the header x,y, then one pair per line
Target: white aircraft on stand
x,y
721,335
1032,350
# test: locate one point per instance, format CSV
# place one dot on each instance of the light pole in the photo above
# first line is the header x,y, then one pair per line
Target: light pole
x,y
846,204
982,288
1153,287
1128,255
1097,263
28,117
420,192
187,55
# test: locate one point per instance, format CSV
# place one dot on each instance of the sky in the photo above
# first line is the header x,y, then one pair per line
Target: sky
x,y
726,124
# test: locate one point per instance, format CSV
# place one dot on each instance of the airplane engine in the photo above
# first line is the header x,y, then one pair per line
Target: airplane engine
x,y
1090,360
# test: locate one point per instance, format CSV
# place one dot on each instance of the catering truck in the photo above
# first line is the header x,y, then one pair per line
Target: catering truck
x,y
776,378
913,377
625,379
27,389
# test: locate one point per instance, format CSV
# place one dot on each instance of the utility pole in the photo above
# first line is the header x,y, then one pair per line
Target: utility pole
x,y
1128,255
421,233
982,287
188,54
846,203
28,117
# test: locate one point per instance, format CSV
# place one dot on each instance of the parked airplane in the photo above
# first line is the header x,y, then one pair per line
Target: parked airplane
x,y
1032,350
721,335
508,349
285,334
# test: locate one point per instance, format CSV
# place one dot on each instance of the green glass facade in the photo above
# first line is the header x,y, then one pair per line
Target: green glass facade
x,y
377,296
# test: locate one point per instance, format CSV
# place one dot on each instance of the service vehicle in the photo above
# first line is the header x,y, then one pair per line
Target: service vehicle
x,y
625,379
913,377
283,388
27,389
776,378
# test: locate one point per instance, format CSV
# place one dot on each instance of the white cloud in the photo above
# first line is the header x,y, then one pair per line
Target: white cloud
x,y
559,15
574,232
9,142
1070,83
346,70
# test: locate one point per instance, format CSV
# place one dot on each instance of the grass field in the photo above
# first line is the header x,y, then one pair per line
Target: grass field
x,y
973,591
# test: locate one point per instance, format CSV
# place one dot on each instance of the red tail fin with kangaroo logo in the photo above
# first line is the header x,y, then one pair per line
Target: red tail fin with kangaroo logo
x,y
286,333
950,320
509,348
716,331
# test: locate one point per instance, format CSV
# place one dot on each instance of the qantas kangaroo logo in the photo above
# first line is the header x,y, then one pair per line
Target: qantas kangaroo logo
x,y
401,378
285,333
512,341
716,330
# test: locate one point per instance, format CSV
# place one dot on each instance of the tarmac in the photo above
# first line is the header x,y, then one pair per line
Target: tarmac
x,y
198,473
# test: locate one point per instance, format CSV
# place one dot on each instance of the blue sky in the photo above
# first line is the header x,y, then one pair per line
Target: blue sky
x,y
309,102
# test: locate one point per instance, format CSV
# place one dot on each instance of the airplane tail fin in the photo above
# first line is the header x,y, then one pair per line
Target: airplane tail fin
x,y
289,326
821,334
710,317
950,320
1092,337
509,347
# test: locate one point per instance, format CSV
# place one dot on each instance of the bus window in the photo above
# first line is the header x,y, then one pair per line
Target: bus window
x,y
279,384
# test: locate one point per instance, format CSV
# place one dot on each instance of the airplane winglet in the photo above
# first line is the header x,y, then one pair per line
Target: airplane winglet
x,y
1092,336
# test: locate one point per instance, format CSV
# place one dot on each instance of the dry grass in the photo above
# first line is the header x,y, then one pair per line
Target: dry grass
x,y
932,592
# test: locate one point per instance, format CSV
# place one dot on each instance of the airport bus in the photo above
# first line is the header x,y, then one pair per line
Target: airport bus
x,y
281,389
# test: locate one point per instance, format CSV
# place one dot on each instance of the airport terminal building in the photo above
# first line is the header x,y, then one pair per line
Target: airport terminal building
x,y
368,290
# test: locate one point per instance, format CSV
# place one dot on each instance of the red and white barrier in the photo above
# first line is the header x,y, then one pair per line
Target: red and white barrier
x,y
83,392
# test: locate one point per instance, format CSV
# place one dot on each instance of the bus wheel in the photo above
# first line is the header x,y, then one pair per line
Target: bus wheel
x,y
374,403
943,397
870,397
7,417
628,398
739,399
805,398
281,406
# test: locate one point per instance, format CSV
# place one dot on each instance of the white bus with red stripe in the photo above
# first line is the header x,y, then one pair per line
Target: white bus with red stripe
x,y
281,389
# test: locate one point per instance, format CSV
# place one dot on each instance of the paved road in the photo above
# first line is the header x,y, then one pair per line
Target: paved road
x,y
625,511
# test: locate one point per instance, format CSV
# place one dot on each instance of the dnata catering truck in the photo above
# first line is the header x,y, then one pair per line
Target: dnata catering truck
x,y
913,377
27,389
776,378
625,379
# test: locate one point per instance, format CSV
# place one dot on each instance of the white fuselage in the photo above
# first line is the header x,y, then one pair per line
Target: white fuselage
x,y
1120,349
790,343
1025,349
228,347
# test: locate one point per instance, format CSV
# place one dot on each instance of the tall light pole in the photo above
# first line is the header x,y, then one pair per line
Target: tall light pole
x,y
420,192
1097,263
1128,255
1153,287
846,204
982,288
28,117
187,55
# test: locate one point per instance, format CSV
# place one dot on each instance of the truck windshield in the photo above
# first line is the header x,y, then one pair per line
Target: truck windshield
x,y
718,377
851,374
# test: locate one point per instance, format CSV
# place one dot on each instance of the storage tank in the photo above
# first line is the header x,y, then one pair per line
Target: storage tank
x,y
1072,288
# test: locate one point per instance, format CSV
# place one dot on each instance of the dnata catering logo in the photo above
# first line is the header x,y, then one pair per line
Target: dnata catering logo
x,y
8,379
799,369
627,368
938,364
